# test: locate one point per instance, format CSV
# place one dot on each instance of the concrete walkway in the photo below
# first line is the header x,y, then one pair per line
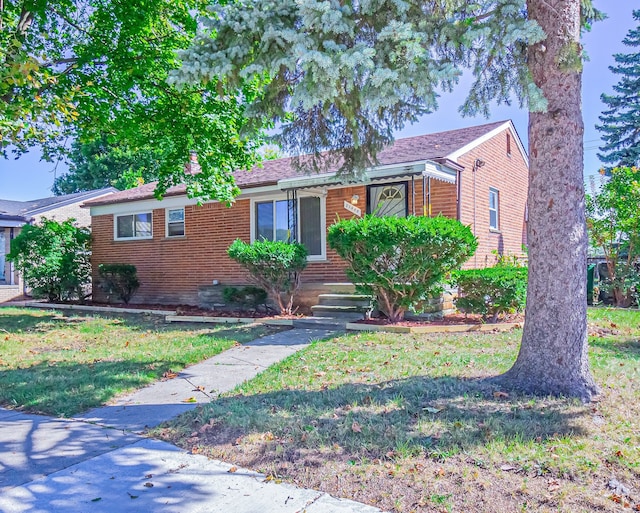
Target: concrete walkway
x,y
98,462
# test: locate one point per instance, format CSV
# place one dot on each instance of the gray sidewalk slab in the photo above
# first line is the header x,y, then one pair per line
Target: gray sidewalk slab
x,y
53,465
152,476
32,446
200,383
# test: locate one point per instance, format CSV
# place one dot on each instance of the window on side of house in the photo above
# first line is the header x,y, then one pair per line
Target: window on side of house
x,y
494,209
134,226
276,220
387,200
175,222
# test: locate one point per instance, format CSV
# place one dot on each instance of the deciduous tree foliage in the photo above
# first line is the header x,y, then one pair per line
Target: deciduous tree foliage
x,y
613,219
98,164
620,126
54,259
344,75
96,70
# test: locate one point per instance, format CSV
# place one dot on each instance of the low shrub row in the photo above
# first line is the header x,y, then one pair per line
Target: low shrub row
x,y
402,262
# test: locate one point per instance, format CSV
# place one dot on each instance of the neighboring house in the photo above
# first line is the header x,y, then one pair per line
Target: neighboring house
x,y
478,175
15,214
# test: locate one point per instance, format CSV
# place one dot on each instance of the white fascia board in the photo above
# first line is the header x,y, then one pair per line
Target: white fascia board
x,y
148,205
480,140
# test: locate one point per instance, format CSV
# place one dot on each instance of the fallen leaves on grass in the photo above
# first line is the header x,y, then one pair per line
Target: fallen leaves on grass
x,y
356,428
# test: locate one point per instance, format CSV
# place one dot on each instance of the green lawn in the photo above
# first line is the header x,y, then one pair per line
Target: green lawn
x,y
409,423
61,365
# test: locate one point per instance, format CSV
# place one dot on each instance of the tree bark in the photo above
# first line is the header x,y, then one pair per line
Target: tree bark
x,y
553,354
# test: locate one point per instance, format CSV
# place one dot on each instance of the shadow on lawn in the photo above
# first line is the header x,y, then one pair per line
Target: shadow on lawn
x,y
623,348
67,388
11,322
440,416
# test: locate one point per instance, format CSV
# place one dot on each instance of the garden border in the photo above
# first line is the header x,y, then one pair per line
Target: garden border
x,y
434,328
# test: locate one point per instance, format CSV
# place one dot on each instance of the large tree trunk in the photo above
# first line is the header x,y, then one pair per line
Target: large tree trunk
x,y
553,355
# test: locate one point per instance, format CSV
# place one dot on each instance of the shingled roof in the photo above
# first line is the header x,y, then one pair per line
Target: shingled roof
x,y
25,209
411,149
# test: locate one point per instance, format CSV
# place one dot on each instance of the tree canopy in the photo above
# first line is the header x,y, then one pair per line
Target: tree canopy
x,y
613,219
98,164
95,71
343,76
620,126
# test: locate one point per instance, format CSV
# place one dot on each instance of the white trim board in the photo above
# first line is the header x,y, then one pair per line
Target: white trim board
x,y
507,125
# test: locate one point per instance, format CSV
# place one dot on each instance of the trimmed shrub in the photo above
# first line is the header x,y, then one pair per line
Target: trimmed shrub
x,y
492,291
403,262
54,259
119,280
246,297
273,265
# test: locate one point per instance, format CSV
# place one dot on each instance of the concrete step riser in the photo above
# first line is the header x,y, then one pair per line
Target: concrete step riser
x,y
338,312
357,297
347,316
344,302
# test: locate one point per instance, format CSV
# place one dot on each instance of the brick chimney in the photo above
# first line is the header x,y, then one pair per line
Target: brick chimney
x,y
192,167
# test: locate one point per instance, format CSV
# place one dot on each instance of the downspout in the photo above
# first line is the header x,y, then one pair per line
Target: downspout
x,y
413,194
12,278
458,194
429,194
424,196
478,163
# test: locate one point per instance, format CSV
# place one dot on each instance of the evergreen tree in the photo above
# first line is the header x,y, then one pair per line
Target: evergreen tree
x,y
621,121
343,75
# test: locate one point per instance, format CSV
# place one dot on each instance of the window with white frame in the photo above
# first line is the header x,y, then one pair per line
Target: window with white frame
x,y
175,222
134,226
301,220
494,218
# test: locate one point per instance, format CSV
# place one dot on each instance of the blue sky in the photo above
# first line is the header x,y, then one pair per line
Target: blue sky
x,y
29,178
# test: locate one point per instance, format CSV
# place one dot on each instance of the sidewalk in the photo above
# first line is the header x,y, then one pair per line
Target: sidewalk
x,y
98,463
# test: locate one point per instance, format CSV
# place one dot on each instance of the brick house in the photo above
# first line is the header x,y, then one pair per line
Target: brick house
x,y
15,214
478,175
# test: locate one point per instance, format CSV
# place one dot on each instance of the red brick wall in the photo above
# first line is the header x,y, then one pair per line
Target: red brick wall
x,y
509,175
172,269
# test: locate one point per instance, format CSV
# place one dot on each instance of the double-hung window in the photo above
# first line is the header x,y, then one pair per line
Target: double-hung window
x,y
494,209
134,226
286,220
175,222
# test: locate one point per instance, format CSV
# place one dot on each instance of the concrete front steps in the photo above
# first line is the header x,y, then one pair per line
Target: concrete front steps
x,y
342,306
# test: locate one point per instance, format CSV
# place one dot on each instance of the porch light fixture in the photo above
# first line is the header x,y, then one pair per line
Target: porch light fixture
x,y
354,199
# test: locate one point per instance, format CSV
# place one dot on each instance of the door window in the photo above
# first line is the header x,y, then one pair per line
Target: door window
x,y
388,200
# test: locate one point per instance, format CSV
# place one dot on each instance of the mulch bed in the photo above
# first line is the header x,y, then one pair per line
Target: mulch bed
x,y
448,320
